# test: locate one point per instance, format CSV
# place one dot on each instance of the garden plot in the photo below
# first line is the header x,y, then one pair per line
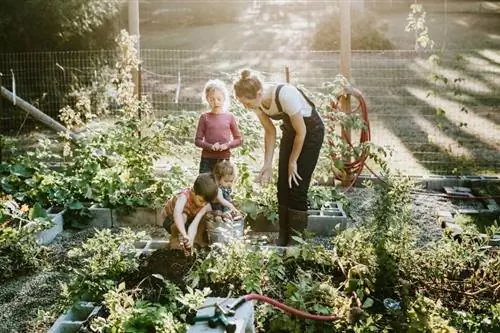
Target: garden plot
x,y
24,296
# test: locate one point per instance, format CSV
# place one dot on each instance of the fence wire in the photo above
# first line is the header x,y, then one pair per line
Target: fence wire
x,y
434,114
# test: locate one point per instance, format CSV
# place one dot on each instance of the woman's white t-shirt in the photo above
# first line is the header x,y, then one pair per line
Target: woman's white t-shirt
x,y
292,102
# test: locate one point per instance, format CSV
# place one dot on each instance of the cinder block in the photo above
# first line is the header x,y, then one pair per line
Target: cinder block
x,y
437,182
459,191
72,320
139,216
490,178
468,211
148,246
101,217
455,231
494,241
243,318
492,205
46,236
327,222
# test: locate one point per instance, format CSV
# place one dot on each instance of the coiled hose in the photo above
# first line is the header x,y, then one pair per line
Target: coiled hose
x,y
352,169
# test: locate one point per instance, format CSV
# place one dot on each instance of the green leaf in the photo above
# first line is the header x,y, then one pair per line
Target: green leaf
x,y
368,303
20,170
6,186
37,211
75,205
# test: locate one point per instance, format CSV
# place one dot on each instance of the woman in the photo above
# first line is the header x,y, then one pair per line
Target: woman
x,y
302,137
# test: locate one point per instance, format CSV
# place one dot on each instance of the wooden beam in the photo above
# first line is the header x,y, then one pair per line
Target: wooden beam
x,y
35,113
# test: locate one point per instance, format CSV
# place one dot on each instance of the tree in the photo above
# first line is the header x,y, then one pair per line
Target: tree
x,y
38,25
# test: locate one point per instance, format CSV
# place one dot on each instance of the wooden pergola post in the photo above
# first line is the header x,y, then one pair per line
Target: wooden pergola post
x,y
345,65
133,29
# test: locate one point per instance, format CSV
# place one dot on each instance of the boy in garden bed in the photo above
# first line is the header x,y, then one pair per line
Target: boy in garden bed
x,y
187,209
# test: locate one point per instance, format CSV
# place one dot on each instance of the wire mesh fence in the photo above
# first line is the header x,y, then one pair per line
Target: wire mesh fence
x,y
434,110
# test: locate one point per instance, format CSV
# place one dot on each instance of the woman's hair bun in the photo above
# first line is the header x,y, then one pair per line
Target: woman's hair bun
x,y
245,74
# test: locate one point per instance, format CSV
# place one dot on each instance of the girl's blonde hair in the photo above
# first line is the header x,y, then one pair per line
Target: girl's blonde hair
x,y
216,84
224,168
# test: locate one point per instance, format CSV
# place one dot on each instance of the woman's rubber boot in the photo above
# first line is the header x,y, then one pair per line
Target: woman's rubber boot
x,y
283,224
297,223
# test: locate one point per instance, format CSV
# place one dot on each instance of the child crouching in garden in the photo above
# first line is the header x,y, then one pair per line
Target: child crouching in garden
x,y
222,209
187,209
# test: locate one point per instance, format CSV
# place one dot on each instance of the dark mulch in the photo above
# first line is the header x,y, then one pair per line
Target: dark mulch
x,y
172,264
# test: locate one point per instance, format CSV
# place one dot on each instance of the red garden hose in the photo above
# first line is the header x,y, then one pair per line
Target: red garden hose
x,y
353,169
279,305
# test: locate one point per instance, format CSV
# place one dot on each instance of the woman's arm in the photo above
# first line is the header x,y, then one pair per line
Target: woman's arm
x,y
300,134
269,145
193,227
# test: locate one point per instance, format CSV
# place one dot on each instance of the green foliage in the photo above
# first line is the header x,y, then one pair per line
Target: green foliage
x,y
115,167
244,270
126,314
255,199
322,196
56,24
417,24
425,315
365,35
98,263
29,177
131,311
19,252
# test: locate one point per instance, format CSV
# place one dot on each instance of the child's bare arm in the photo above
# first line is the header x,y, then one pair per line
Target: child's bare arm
x,y
193,227
224,202
179,221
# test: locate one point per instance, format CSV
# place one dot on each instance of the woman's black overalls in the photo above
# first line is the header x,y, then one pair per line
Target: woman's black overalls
x,y
293,201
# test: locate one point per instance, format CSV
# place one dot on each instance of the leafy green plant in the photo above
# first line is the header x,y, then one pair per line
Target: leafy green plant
x,y
128,314
319,197
238,268
255,199
99,262
19,252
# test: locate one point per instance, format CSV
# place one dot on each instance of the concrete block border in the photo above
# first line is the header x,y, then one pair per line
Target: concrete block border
x,y
148,246
46,236
138,216
327,221
101,217
72,320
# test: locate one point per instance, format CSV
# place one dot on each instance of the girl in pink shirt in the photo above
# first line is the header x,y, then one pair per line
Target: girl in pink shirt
x,y
217,132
